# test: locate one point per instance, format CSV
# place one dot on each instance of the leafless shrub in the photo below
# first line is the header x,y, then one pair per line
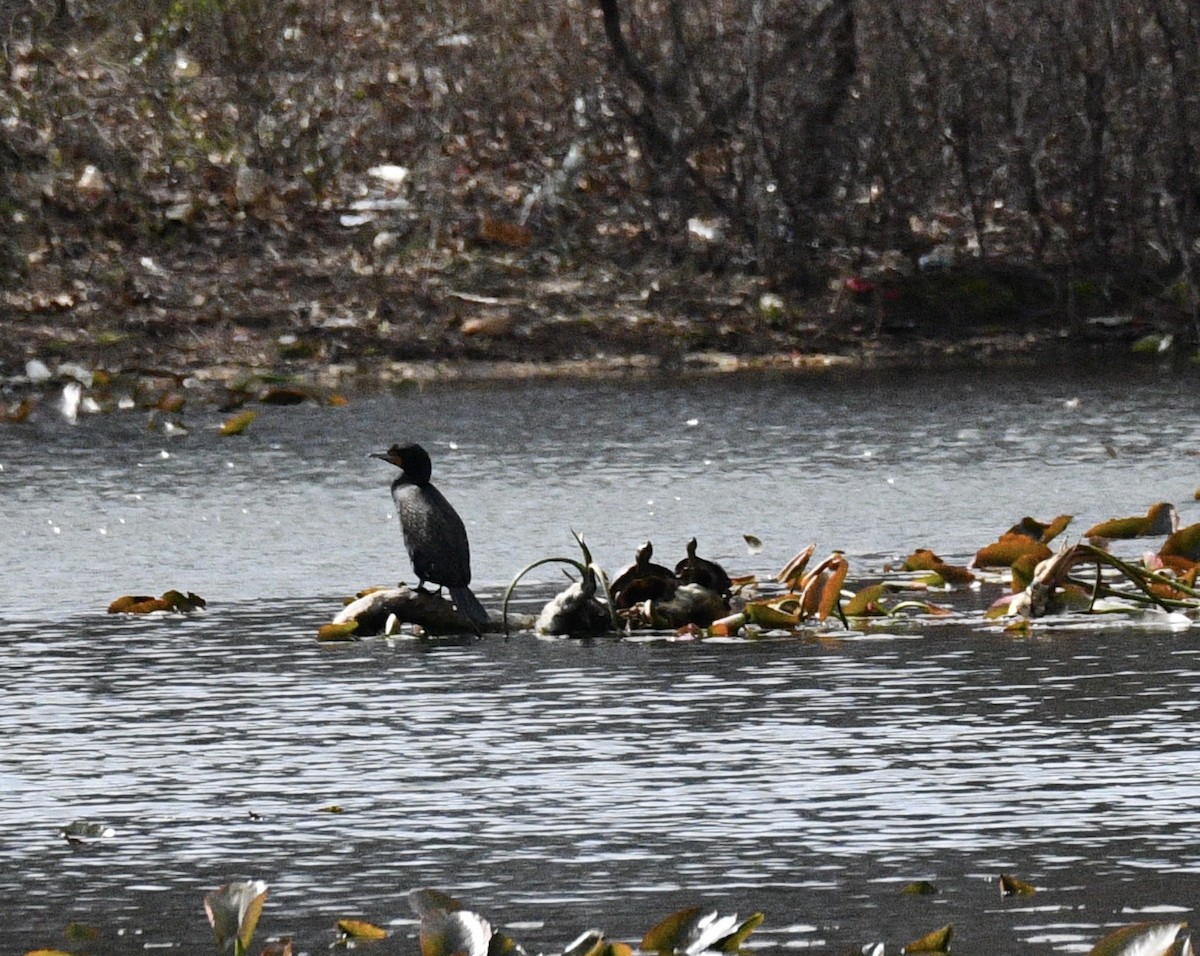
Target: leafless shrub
x,y
1074,125
1058,131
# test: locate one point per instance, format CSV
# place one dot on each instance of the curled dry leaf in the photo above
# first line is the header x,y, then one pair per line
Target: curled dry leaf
x,y
1161,518
1184,543
694,931
1011,547
1043,531
236,424
1014,886
17,413
925,560
342,631
233,910
455,933
360,929
1139,939
919,888
146,604
936,942
866,603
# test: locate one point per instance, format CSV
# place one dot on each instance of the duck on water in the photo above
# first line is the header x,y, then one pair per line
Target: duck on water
x,y
433,532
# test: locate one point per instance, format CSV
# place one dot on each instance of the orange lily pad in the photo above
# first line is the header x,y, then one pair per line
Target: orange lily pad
x,y
359,929
1005,552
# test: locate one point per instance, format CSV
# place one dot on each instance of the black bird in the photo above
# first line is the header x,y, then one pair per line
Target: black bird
x,y
433,532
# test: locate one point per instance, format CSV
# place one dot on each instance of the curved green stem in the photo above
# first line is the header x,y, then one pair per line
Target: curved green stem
x,y
582,569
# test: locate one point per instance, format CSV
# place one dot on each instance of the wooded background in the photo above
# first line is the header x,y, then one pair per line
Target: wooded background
x,y
798,136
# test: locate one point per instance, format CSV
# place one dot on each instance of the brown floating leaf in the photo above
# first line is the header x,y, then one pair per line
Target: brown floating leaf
x,y
794,569
1006,551
178,601
359,929
343,631
765,614
16,413
1161,518
1023,570
129,603
831,587
919,888
83,931
925,560
1014,886
866,603
665,935
233,910
456,933
692,930
145,604
733,942
237,424
1184,543
1043,531
936,942
1140,939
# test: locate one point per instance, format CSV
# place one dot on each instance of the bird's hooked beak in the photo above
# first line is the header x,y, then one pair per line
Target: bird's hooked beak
x,y
388,457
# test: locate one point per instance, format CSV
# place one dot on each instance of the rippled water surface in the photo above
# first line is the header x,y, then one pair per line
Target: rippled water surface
x,y
559,785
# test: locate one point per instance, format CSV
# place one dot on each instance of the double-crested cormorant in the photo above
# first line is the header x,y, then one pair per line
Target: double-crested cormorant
x,y
433,532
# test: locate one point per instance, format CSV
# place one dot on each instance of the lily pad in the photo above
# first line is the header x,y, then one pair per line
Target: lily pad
x,y
172,600
936,942
1014,886
919,888
1140,939
1008,549
233,910
1184,543
360,929
341,631
236,424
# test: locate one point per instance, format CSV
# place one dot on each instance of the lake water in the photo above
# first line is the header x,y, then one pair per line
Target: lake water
x,y
559,785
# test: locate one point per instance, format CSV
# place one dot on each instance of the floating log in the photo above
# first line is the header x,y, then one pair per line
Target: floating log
x,y
371,611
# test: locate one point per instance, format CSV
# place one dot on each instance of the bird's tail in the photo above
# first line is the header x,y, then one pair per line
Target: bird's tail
x,y
468,604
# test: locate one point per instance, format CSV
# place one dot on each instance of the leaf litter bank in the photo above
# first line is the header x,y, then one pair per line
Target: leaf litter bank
x,y
320,192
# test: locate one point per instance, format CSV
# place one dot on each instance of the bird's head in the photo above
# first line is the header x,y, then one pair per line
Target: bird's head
x,y
413,460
